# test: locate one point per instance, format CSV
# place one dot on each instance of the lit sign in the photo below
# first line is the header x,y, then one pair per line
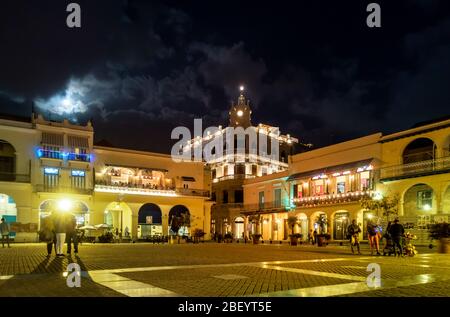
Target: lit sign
x,y
78,173
364,168
51,171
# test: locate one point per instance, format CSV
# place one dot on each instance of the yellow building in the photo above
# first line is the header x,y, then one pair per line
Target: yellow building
x,y
45,165
416,167
328,184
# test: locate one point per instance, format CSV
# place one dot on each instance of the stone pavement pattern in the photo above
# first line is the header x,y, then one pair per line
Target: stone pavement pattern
x,y
219,270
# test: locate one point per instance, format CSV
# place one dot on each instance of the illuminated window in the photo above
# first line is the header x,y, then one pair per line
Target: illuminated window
x,y
424,199
51,177
319,187
51,171
365,180
78,179
340,184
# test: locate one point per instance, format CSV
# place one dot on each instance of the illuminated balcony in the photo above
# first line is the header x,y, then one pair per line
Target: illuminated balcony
x,y
60,155
333,199
416,169
133,189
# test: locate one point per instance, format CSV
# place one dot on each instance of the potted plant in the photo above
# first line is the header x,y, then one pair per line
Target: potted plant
x,y
323,236
256,237
292,221
228,237
441,232
256,219
294,238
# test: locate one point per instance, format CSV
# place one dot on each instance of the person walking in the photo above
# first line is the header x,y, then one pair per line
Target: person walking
x,y
397,231
354,231
5,231
315,236
60,231
373,237
71,233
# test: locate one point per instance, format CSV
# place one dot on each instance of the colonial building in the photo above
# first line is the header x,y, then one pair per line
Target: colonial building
x,y
259,150
329,183
326,184
45,165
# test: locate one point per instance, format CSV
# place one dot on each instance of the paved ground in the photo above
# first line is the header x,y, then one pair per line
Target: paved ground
x,y
220,270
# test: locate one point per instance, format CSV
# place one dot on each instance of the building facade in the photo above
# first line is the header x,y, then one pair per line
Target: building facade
x,y
324,188
255,152
45,165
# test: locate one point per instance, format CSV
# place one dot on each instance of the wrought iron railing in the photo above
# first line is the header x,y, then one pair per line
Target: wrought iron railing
x,y
416,168
192,192
271,205
42,188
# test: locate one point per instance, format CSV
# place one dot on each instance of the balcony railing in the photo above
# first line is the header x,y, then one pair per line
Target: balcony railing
x,y
12,177
235,176
332,199
41,188
267,206
415,169
59,155
192,192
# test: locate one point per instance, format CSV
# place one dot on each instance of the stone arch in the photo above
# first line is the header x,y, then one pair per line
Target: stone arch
x,y
419,199
313,222
119,216
181,214
149,221
7,161
420,149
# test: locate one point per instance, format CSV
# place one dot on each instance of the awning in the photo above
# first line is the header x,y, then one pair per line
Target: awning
x,y
188,179
77,142
52,139
331,169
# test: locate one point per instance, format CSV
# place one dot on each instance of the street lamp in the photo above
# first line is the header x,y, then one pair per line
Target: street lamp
x,y
64,205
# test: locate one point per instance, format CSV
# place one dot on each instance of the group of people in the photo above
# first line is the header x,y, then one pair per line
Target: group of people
x,y
57,229
394,232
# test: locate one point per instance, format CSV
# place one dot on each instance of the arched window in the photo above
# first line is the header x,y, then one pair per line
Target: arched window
x,y
421,149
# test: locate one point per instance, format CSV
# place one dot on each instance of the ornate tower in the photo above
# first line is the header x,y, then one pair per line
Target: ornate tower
x,y
240,113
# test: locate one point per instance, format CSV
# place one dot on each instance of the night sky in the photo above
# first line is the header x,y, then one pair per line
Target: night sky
x,y
140,68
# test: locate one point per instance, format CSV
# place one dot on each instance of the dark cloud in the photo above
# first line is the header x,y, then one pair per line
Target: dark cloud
x,y
139,69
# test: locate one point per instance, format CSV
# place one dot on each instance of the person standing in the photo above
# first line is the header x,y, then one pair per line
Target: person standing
x,y
47,234
60,231
397,231
373,237
5,231
315,236
71,233
354,231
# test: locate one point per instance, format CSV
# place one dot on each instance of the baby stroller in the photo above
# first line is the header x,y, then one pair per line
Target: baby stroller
x,y
389,246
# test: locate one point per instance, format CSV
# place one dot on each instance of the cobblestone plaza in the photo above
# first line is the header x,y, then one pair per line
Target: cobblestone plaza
x,y
219,270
